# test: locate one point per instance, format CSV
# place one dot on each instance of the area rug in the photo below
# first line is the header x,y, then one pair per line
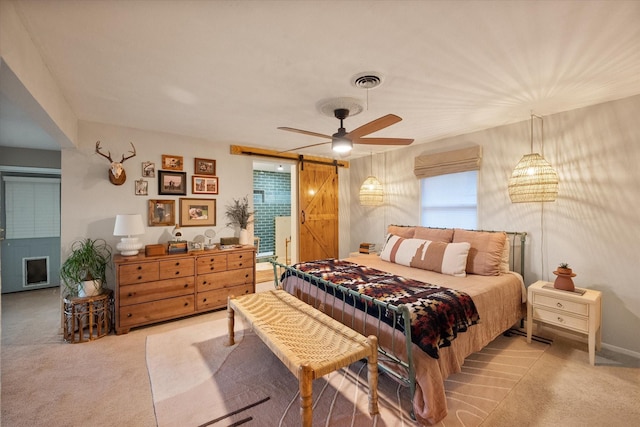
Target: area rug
x,y
197,381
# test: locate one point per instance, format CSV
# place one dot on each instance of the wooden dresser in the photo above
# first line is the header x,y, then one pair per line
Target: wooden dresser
x,y
151,289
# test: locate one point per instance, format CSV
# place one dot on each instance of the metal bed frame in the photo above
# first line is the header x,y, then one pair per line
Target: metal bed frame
x,y
398,313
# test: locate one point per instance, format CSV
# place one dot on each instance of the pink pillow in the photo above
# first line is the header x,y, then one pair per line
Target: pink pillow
x,y
401,230
485,255
434,234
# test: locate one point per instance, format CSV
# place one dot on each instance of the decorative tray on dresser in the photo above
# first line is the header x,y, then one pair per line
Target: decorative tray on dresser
x,y
152,289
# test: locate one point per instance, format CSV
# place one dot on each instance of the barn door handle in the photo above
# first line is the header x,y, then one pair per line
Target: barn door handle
x,y
303,217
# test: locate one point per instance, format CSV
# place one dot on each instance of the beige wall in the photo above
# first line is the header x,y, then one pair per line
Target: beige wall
x,y
594,224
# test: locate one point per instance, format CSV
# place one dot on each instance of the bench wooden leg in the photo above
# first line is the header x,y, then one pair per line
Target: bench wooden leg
x,y
230,323
305,378
372,375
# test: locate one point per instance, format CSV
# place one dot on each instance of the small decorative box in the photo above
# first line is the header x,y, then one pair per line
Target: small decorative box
x,y
155,250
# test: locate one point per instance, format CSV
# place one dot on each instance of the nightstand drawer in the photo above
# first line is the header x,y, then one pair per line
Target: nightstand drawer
x,y
561,319
561,304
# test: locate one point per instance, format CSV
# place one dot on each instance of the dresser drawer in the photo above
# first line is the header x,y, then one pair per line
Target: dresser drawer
x,y
565,320
561,304
212,263
162,289
139,314
240,260
178,267
224,279
138,273
218,298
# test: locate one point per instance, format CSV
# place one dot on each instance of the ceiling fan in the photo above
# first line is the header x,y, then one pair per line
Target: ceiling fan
x,y
342,141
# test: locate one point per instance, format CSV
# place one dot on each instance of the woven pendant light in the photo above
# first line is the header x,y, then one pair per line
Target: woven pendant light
x,y
371,192
533,179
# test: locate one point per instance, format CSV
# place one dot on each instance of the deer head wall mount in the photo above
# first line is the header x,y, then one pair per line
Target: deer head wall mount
x,y
117,175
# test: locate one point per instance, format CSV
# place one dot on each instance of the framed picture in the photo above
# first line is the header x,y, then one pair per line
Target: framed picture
x,y
197,212
148,169
161,212
172,183
204,184
204,166
171,162
141,187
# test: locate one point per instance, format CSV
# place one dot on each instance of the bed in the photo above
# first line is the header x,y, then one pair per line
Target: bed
x,y
484,267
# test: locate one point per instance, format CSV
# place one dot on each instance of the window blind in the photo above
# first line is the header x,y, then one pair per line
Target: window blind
x,y
32,207
463,160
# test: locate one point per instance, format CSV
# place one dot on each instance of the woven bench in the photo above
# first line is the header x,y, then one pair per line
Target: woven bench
x,y
309,343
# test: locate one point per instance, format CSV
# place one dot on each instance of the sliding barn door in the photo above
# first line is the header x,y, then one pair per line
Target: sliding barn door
x,y
318,216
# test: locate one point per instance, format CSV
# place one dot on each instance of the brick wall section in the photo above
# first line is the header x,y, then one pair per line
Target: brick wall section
x,y
271,198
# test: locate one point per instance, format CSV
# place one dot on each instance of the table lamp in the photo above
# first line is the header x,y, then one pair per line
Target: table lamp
x,y
129,225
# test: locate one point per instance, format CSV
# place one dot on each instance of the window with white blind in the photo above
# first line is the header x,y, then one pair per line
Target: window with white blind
x,y
31,207
450,200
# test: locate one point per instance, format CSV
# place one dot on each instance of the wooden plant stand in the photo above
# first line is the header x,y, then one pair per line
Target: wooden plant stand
x,y
87,318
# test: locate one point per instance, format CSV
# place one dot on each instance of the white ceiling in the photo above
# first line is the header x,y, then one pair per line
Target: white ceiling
x,y
233,71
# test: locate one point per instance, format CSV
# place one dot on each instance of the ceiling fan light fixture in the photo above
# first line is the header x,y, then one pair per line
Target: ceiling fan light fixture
x,y
341,145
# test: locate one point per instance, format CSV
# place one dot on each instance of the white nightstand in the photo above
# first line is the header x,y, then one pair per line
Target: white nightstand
x,y
568,310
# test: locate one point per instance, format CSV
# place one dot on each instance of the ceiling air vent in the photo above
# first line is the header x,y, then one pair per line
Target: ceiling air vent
x,y
367,81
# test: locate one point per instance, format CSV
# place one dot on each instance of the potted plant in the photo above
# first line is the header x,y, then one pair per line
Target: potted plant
x,y
238,214
564,280
84,271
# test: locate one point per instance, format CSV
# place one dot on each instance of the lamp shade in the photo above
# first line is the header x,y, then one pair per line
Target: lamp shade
x,y
128,225
533,180
341,145
371,192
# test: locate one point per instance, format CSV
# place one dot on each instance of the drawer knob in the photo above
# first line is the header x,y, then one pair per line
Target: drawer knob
x,y
139,267
239,264
177,263
177,272
204,300
560,305
186,304
129,314
212,268
204,282
139,277
130,294
560,319
186,285
240,256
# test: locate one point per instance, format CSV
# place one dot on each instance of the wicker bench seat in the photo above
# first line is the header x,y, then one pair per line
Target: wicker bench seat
x,y
309,343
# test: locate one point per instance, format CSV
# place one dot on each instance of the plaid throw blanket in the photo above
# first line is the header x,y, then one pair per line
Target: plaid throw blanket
x,y
437,313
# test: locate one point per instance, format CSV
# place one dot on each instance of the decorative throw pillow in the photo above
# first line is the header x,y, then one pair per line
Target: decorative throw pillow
x,y
434,234
485,255
445,258
506,256
401,230
400,250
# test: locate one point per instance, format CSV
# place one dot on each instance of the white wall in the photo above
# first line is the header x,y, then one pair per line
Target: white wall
x,y
90,202
594,225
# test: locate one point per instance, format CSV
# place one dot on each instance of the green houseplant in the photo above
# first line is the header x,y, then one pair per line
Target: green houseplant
x,y
84,271
238,214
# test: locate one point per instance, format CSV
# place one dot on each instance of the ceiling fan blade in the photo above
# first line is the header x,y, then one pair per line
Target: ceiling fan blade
x,y
383,141
305,146
305,132
374,126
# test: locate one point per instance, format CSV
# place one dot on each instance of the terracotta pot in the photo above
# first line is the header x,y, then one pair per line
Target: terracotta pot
x,y
564,280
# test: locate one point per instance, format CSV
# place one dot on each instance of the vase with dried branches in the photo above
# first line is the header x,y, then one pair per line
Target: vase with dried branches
x,y
239,215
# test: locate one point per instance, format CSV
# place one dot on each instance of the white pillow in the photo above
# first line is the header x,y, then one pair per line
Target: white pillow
x,y
445,258
400,250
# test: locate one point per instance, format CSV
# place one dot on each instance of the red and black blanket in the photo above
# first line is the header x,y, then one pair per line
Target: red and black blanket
x,y
437,313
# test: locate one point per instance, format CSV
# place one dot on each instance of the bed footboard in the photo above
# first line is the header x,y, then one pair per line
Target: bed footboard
x,y
346,306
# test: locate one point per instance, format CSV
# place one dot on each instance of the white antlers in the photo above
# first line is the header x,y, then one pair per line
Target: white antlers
x,y
117,175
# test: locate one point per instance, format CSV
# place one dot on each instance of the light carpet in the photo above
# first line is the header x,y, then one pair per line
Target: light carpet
x,y
197,381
